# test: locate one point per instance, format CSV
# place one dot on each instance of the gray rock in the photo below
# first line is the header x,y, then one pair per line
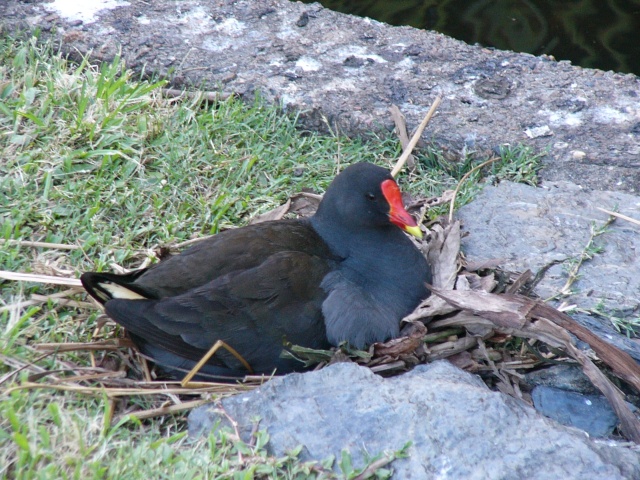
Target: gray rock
x,y
350,70
531,227
458,428
565,377
591,413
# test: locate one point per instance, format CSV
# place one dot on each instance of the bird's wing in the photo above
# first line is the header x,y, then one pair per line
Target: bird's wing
x,y
253,310
229,251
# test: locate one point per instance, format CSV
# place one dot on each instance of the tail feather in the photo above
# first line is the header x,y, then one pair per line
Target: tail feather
x,y
107,286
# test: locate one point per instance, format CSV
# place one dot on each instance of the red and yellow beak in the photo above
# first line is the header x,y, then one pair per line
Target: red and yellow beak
x,y
397,214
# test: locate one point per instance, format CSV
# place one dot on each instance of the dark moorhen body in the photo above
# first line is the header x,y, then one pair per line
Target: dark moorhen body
x,y
346,274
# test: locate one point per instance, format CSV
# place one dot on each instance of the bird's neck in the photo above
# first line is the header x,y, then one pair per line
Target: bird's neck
x,y
349,240
377,254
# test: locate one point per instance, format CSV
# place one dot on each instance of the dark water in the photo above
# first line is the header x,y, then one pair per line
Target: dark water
x,y
601,34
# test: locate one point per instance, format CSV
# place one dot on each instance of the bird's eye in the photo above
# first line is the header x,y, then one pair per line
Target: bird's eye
x,y
371,196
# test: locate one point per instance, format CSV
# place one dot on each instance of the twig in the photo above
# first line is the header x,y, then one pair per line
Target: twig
x,y
314,196
254,431
523,278
494,369
447,349
388,366
234,425
619,215
416,136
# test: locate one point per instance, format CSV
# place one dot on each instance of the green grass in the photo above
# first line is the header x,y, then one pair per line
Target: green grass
x,y
95,158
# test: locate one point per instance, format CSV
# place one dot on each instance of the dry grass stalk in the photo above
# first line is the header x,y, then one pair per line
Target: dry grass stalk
x,y
63,302
29,243
620,215
210,97
112,392
50,279
416,137
216,346
55,297
187,243
104,345
401,131
19,366
169,409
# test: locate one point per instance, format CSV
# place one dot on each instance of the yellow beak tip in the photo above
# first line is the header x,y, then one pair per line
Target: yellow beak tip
x,y
415,231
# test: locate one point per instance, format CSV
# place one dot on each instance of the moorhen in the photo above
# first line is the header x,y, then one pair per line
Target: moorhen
x,y
348,273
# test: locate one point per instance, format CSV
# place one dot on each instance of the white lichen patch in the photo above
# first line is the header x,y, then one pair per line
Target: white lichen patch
x,y
84,11
308,64
196,20
339,85
290,97
607,115
216,44
231,27
568,119
405,63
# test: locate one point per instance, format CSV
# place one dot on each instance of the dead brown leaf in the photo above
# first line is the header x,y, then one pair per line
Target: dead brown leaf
x,y
401,131
442,255
403,345
276,214
305,204
489,264
499,309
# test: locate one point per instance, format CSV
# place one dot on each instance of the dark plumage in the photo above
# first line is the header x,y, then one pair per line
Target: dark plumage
x,y
347,273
